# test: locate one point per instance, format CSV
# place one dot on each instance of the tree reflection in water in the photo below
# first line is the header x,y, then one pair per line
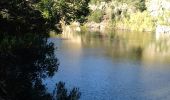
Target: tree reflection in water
x,y
24,61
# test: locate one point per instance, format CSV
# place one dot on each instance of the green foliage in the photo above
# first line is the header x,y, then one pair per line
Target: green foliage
x,y
27,16
25,52
96,16
116,9
138,4
140,21
63,95
72,10
26,60
47,8
164,18
125,14
141,5
98,1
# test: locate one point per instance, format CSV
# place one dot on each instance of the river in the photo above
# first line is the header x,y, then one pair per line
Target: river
x,y
121,66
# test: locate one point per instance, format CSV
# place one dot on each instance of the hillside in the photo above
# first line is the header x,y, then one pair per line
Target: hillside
x,y
133,15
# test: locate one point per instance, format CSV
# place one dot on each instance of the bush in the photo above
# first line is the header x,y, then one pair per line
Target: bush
x,y
140,21
96,16
164,18
97,1
139,4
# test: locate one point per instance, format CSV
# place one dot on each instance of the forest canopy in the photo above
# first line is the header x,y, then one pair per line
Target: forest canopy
x,y
24,16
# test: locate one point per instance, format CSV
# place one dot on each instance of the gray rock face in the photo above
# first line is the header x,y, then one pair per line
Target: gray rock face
x,y
156,6
162,31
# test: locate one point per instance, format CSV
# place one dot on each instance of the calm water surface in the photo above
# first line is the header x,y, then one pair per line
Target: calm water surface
x,y
122,66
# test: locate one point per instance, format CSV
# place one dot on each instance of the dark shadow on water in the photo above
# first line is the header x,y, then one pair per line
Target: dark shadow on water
x,y
24,61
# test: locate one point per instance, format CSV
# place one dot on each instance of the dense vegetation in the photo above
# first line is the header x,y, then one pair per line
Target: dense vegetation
x,y
24,16
139,4
26,56
129,14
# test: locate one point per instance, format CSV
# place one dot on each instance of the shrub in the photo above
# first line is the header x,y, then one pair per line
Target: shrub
x,y
164,18
138,4
97,1
140,21
96,16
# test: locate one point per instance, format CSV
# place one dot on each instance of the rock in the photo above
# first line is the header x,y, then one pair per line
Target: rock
x,y
162,31
156,6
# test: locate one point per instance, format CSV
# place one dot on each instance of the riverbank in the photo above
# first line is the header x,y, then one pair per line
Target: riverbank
x,y
125,16
141,16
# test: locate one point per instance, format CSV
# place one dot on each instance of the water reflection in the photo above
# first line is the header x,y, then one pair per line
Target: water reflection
x,y
25,60
121,44
158,51
114,67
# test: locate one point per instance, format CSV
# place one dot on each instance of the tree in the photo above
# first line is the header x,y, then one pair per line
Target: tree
x,y
24,16
25,54
25,61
